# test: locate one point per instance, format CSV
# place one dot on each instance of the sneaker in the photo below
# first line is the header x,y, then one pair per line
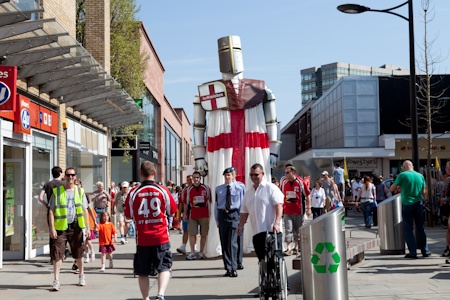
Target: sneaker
x,y
92,257
126,241
75,268
87,260
82,281
122,241
182,249
201,255
191,256
111,264
55,286
102,269
159,297
446,252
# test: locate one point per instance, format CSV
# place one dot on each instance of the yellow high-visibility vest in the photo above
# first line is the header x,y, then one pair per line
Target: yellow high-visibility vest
x,y
59,194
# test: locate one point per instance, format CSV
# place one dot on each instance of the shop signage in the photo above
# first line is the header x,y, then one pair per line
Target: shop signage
x,y
364,163
8,88
22,118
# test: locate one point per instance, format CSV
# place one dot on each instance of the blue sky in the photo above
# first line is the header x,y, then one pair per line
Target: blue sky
x,y
279,38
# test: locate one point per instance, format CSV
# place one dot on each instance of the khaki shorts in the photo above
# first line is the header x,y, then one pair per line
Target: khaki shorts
x,y
123,219
193,226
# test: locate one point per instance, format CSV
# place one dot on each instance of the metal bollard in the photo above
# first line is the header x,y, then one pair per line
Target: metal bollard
x,y
324,257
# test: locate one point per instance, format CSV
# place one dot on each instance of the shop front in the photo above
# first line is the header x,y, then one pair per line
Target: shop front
x,y
28,147
87,153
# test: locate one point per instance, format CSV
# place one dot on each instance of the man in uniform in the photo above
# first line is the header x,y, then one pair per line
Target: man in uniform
x,y
229,198
149,205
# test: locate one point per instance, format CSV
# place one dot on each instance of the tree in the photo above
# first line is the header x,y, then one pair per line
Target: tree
x,y
128,64
430,98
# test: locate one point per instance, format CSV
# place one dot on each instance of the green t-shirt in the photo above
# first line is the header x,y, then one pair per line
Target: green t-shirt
x,y
412,184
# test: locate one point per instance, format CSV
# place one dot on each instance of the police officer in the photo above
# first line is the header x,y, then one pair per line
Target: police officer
x,y
229,198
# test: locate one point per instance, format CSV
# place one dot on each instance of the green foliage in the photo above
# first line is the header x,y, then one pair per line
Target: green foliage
x,y
128,64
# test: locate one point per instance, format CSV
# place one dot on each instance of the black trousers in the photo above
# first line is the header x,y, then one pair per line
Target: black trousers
x,y
228,223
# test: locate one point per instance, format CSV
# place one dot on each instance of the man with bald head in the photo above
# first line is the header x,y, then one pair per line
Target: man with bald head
x,y
412,186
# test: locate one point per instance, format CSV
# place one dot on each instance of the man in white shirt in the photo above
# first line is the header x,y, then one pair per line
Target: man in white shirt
x,y
264,201
356,186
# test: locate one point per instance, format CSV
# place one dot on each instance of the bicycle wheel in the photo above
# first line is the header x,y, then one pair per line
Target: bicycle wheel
x,y
282,280
262,280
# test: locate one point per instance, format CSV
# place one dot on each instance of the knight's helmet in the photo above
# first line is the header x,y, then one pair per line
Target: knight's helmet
x,y
230,55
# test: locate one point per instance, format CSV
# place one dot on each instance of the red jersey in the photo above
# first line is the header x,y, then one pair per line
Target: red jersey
x,y
199,198
184,194
292,196
149,205
305,183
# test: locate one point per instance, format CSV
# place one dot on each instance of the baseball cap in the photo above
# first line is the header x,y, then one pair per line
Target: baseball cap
x,y
125,184
325,173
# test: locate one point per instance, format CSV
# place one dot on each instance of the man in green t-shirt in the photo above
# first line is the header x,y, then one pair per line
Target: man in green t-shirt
x,y
412,186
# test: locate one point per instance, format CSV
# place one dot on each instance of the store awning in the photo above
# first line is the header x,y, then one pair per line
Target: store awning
x,y
48,58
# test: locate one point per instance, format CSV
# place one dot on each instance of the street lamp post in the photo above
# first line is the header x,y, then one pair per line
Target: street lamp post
x,y
356,9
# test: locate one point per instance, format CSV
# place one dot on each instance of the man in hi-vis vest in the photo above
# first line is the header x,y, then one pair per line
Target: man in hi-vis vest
x,y
68,218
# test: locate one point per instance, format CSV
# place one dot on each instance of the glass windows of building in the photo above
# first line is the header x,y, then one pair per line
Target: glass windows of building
x,y
172,155
90,168
43,162
150,108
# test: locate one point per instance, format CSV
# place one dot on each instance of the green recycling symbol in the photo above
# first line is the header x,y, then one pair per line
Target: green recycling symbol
x,y
322,268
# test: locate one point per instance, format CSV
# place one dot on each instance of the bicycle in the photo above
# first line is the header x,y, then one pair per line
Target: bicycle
x,y
272,271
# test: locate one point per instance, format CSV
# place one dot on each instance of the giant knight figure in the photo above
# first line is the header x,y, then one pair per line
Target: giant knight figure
x,y
242,130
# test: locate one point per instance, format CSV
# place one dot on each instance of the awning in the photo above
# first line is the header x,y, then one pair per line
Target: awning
x,y
48,58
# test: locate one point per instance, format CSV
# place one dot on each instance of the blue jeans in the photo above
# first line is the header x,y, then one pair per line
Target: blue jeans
x,y
367,212
413,215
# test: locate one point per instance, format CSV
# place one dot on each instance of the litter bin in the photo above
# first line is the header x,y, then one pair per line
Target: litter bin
x,y
324,257
390,226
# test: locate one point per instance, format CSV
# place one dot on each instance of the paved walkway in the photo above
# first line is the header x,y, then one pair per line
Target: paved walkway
x,y
378,277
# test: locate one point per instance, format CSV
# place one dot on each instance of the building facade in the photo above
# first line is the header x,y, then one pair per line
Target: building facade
x,y
364,119
165,139
55,111
316,81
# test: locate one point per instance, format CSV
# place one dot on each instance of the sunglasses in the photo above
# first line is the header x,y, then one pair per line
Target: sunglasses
x,y
254,174
71,175
287,172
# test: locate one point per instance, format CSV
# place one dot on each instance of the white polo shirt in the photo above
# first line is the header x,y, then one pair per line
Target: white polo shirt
x,y
260,205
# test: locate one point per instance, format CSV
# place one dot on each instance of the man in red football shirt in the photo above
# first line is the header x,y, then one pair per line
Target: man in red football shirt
x,y
293,189
149,205
198,201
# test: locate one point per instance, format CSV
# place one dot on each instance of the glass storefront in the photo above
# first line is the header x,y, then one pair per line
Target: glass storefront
x,y
43,162
90,168
172,155
150,108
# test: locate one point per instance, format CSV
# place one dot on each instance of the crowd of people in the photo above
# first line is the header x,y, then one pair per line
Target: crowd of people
x,y
153,209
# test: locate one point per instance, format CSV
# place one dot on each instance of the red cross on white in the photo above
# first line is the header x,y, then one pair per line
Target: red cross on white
x,y
213,96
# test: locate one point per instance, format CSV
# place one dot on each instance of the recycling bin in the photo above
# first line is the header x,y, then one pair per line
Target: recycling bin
x,y
324,257
390,226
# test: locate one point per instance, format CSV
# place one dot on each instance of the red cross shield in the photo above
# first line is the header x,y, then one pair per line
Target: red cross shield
x,y
213,95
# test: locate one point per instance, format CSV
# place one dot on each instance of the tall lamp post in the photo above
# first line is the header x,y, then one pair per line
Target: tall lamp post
x,y
356,9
